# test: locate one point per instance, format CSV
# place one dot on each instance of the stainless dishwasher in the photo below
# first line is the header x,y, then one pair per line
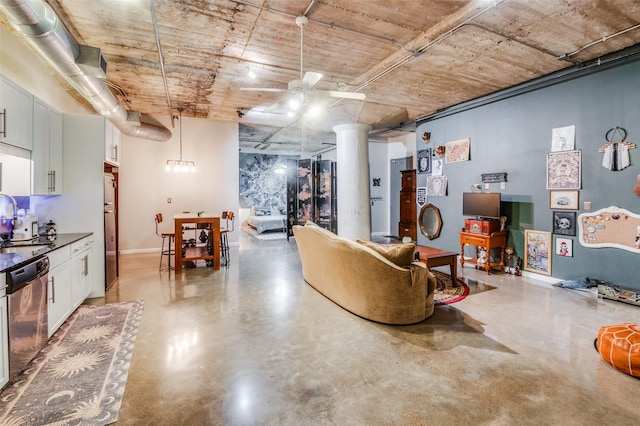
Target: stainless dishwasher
x,y
27,312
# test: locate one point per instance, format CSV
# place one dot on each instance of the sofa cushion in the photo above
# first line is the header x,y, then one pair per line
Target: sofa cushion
x,y
400,254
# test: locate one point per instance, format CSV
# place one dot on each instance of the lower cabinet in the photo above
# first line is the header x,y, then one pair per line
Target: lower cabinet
x,y
69,280
4,342
81,278
59,291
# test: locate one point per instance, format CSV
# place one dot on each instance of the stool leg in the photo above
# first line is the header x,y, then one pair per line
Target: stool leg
x,y
161,255
169,260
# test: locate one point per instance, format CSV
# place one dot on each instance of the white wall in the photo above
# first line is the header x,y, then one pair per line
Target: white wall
x,y
145,186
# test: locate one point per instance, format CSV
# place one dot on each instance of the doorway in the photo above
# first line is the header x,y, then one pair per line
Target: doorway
x,y
111,224
395,185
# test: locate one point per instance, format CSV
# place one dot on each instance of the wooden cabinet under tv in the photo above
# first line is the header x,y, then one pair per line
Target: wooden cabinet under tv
x,y
408,213
496,240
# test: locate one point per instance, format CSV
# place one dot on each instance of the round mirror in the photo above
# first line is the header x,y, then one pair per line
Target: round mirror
x,y
430,221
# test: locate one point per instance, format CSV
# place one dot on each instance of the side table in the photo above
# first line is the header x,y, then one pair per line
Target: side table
x,y
487,242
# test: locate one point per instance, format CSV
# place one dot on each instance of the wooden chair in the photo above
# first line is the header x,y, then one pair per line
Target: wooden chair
x,y
172,237
224,240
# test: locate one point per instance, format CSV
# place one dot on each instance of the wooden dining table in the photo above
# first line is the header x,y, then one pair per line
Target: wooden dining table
x,y
202,250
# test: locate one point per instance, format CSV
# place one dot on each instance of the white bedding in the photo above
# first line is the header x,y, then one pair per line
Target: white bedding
x,y
267,223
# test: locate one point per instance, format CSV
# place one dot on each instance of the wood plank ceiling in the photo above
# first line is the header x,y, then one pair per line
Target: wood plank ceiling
x,y
410,58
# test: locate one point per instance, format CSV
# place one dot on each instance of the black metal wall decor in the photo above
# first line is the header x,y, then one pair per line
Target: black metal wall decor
x,y
494,177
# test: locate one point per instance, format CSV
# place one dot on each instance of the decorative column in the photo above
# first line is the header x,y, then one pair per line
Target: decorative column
x,y
352,157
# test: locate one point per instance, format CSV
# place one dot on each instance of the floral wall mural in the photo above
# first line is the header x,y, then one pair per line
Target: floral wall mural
x,y
263,180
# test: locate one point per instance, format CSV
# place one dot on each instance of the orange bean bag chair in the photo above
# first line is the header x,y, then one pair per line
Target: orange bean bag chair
x,y
619,345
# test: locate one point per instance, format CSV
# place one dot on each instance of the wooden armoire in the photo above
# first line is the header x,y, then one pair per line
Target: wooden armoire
x,y
407,226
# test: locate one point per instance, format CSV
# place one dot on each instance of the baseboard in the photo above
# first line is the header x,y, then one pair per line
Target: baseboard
x,y
157,249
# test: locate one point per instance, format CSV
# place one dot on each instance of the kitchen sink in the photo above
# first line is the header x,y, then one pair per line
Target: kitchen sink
x,y
23,249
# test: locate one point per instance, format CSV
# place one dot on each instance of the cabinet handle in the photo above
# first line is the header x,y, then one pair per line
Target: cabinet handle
x,y
53,181
53,290
4,122
115,152
85,260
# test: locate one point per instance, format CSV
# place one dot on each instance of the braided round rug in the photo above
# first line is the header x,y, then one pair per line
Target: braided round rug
x,y
446,293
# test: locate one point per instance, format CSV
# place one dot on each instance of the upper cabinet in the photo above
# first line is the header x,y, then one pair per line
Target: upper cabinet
x,y
47,150
15,171
16,115
111,144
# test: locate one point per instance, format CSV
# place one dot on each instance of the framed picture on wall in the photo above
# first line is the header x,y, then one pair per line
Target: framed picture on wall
x,y
424,161
564,169
564,223
564,247
537,257
457,151
565,200
437,186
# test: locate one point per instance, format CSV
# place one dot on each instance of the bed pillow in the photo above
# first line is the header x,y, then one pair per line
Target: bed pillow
x,y
400,254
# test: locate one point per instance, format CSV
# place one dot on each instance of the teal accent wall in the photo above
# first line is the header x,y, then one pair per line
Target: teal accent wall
x,y
513,135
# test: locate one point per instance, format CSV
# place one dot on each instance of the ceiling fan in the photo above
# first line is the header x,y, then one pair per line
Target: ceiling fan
x,y
302,90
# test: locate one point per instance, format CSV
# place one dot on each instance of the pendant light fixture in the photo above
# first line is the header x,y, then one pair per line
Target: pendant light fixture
x,y
180,165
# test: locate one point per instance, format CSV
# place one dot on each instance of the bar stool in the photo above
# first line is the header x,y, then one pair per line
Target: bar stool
x,y
171,236
224,240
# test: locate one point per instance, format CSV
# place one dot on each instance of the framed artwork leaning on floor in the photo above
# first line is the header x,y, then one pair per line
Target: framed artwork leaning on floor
x,y
537,246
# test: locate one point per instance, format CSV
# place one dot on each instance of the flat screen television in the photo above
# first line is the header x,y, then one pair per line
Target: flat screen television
x,y
481,204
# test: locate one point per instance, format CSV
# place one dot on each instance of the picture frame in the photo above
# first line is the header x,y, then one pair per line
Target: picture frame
x,y
564,247
537,256
437,186
436,169
564,169
564,223
456,151
424,161
565,200
563,138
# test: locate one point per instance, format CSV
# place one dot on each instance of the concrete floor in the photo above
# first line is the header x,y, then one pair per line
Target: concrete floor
x,y
254,344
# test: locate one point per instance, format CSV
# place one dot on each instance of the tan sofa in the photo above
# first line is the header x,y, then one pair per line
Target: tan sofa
x,y
362,280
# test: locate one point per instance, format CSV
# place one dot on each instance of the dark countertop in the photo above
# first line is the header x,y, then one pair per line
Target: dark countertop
x,y
9,260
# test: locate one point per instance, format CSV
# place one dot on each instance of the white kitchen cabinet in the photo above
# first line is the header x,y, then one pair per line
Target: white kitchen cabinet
x,y
82,206
81,270
16,115
59,288
15,171
47,150
4,341
112,137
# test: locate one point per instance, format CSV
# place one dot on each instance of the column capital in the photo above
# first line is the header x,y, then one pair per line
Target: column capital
x,y
354,126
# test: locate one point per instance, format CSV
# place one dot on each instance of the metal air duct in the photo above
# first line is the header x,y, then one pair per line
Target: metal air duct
x,y
43,30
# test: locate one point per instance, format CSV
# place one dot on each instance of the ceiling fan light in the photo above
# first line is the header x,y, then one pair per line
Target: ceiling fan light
x,y
294,104
314,110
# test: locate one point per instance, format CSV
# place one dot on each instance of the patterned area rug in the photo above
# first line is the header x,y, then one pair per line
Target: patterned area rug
x,y
446,293
79,377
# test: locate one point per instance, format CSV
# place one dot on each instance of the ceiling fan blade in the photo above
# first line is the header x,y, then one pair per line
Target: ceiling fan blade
x,y
311,78
262,89
272,107
346,95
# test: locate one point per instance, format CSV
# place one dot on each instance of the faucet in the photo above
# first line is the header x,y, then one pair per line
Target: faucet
x,y
15,210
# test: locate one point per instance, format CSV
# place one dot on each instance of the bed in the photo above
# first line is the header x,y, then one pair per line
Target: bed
x,y
265,219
